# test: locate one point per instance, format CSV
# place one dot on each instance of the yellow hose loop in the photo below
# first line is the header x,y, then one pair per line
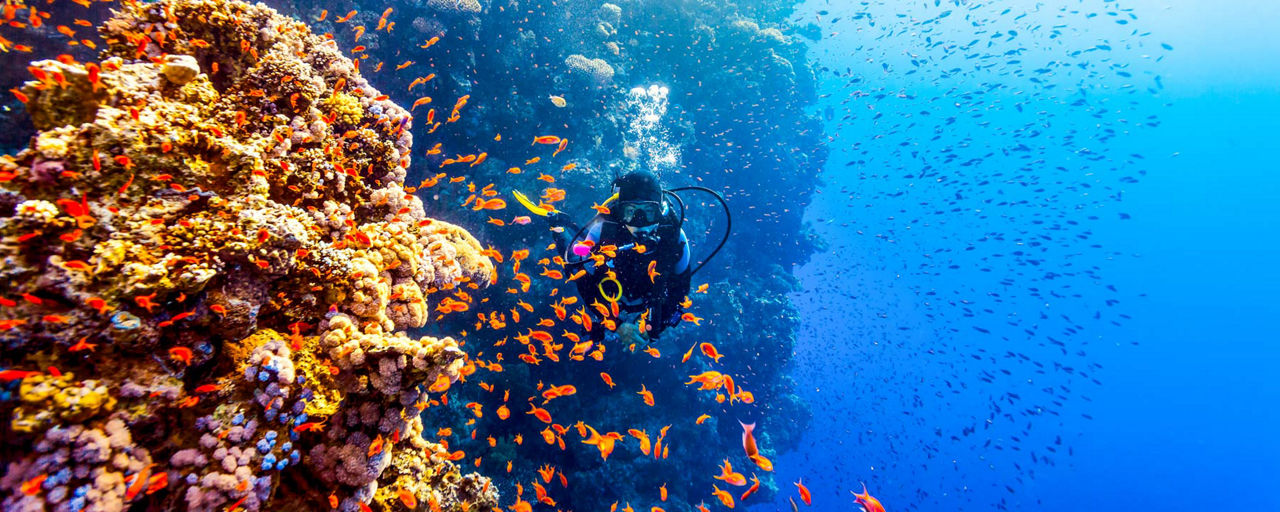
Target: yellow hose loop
x,y
606,296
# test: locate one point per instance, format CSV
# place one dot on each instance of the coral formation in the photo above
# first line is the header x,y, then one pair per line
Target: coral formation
x,y
210,268
455,6
596,72
609,13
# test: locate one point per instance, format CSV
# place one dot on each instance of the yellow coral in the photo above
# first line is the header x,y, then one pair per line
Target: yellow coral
x,y
52,144
345,108
327,397
45,400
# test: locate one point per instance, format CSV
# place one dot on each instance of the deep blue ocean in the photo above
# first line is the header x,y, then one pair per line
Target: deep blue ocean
x,y
1182,413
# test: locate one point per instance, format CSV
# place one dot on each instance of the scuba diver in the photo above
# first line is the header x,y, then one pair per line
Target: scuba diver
x,y
650,276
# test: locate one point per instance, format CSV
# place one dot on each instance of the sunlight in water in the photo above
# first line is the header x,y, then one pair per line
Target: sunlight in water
x,y
648,139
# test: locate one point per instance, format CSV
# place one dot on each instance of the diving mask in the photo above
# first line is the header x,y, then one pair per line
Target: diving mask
x,y
640,213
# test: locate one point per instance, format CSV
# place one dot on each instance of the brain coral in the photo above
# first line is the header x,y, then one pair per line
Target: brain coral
x,y
209,268
609,13
597,72
455,6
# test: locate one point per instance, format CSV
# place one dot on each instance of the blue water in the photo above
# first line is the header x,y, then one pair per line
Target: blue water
x,y
1184,414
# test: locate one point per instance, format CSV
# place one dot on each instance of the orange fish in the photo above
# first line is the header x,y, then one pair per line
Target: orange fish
x,y
701,419
546,139
643,438
310,426
10,375
157,482
137,484
539,413
552,195
547,472
407,498
730,476
724,497
607,379
207,388
755,486
804,493
32,487
648,395
749,439
604,443
688,354
688,317
760,460
653,264
865,499
541,493
708,380
710,351
83,344
557,392
236,506
375,447
181,354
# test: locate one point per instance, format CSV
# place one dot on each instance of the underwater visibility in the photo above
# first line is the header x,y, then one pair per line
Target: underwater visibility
x,y
638,255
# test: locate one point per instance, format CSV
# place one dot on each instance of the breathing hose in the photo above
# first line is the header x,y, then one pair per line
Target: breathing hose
x,y
728,227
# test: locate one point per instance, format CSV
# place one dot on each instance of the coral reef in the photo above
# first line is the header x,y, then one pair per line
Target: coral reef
x,y
211,266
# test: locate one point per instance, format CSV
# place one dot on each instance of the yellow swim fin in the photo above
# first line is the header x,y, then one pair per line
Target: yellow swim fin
x,y
533,208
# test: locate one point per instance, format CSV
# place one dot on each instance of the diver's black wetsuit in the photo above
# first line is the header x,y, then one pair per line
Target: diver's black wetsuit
x,y
661,298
